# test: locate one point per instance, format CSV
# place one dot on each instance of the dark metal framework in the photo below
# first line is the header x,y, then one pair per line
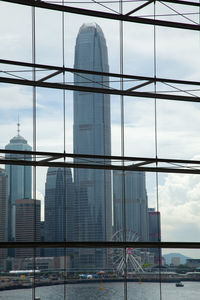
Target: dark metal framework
x,y
147,164
9,78
84,161
115,16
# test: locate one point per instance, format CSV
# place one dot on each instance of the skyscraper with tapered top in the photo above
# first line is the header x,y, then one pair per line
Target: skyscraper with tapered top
x,y
92,135
19,178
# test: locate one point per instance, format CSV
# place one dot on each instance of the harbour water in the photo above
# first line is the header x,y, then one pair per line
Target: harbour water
x,y
109,291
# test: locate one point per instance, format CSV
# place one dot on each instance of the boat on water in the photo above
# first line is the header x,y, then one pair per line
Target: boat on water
x,y
179,284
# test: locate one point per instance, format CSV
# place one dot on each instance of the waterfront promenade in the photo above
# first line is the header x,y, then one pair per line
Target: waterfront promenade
x,y
9,283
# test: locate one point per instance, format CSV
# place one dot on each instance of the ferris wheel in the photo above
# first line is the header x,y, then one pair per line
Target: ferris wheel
x,y
129,259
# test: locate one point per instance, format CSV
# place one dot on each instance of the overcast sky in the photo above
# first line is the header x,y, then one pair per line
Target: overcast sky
x,y
178,123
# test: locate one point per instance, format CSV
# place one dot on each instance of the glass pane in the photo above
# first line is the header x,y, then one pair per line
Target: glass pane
x,y
50,122
179,207
139,127
48,34
15,32
176,137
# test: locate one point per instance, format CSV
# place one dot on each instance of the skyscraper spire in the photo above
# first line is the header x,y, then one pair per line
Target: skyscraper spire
x,y
18,126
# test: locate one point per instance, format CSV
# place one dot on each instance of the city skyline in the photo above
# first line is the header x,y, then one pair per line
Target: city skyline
x,y
109,101
175,138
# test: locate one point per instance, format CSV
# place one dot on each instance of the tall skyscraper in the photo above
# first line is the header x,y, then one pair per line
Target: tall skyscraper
x,y
155,233
19,179
27,224
92,135
59,203
3,211
136,203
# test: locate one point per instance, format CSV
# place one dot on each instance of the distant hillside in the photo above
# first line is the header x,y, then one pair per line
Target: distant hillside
x,y
169,256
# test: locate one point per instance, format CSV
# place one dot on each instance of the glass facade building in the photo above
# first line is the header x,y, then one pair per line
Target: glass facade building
x,y
59,208
92,135
19,179
136,203
3,211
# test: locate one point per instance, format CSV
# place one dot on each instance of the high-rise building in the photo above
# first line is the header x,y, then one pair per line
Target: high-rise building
x,y
92,135
19,179
3,211
155,232
27,225
131,187
59,212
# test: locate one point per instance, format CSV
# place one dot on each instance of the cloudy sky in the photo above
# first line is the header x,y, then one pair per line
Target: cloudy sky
x,y
178,123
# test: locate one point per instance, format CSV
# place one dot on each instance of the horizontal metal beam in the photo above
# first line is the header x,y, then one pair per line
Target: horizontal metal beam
x,y
103,244
105,15
57,155
99,166
63,86
182,2
108,74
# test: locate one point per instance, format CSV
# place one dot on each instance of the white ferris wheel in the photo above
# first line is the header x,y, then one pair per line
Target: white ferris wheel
x,y
130,259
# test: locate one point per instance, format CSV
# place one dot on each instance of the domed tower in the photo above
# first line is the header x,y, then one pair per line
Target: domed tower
x,y
19,179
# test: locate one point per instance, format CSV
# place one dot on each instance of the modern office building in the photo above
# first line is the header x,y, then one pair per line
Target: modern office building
x,y
92,135
27,225
155,232
59,208
3,211
193,262
19,179
130,186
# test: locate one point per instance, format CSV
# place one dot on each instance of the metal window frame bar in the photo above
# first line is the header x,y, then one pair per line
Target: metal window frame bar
x,y
103,244
57,155
139,7
61,86
140,85
128,92
183,2
136,168
105,164
108,74
111,16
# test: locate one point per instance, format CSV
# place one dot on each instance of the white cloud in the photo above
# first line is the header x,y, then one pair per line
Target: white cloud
x,y
180,207
15,98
